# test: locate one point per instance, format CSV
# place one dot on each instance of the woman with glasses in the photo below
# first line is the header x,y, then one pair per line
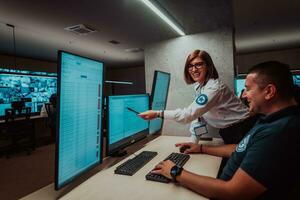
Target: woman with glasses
x,y
214,104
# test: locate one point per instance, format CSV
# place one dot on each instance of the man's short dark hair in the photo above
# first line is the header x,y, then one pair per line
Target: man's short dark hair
x,y
276,73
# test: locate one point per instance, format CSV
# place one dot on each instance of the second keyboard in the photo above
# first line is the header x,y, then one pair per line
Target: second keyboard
x,y
178,158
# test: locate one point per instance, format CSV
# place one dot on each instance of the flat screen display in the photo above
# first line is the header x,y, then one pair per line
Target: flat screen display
x,y
124,125
239,84
159,95
33,88
296,78
78,146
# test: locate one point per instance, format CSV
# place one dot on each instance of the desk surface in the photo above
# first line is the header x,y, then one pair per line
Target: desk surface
x,y
107,185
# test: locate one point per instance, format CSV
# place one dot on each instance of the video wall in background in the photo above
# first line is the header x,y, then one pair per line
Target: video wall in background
x,y
34,88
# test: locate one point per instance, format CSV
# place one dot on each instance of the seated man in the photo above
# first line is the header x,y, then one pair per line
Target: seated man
x,y
264,165
43,112
52,101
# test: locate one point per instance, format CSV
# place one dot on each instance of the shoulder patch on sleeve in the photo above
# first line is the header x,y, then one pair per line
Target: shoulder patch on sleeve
x,y
202,99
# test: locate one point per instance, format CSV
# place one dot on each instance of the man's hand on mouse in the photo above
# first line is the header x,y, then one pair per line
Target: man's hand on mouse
x,y
188,147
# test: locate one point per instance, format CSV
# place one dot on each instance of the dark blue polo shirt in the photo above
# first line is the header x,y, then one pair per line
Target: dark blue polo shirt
x,y
270,153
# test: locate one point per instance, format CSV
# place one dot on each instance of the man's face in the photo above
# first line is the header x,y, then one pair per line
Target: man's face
x,y
254,94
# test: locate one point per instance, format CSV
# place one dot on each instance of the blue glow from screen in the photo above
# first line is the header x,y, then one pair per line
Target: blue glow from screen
x,y
239,85
296,79
33,89
159,99
80,116
123,122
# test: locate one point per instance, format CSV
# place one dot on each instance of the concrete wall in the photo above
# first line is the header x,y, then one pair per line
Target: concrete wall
x,y
170,56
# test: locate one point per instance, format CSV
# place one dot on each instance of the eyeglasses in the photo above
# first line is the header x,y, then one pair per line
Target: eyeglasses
x,y
198,65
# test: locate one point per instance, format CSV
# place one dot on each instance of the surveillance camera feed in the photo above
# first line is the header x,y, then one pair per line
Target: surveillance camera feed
x,y
33,88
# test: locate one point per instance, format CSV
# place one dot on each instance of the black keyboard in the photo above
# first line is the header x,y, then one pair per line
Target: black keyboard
x,y
131,166
178,158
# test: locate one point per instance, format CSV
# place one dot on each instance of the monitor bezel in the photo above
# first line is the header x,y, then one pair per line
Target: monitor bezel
x,y
56,185
152,95
125,142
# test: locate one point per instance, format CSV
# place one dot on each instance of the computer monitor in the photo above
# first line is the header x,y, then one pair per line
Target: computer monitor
x,y
30,88
159,96
239,84
296,77
124,125
79,106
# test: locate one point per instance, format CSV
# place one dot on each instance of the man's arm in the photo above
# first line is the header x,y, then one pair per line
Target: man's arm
x,y
218,150
224,151
241,186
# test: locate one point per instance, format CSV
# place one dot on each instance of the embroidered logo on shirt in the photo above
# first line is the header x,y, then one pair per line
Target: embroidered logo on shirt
x,y
202,99
243,144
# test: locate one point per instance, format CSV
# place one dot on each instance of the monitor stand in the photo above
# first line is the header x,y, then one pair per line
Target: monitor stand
x,y
119,153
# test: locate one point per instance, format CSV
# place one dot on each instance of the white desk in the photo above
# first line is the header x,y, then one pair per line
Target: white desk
x,y
106,185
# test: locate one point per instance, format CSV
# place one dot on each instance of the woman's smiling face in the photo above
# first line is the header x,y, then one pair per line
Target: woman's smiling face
x,y
197,69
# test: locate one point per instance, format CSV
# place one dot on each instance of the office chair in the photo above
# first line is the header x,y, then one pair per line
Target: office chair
x,y
51,119
19,130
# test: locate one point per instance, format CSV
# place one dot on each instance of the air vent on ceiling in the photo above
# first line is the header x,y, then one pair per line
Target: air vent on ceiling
x,y
81,29
134,50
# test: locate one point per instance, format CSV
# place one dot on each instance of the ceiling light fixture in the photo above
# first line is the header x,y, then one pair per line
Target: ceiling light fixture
x,y
14,42
134,50
163,16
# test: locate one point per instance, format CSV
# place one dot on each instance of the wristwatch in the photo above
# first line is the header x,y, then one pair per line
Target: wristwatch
x,y
175,171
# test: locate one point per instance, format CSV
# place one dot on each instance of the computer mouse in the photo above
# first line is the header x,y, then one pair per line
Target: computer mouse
x,y
183,148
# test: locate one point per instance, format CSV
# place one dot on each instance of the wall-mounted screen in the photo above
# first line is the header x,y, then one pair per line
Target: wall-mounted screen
x,y
78,146
33,88
159,96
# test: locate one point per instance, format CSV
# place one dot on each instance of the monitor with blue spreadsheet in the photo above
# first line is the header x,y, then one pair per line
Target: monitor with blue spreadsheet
x,y
159,96
79,127
124,125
